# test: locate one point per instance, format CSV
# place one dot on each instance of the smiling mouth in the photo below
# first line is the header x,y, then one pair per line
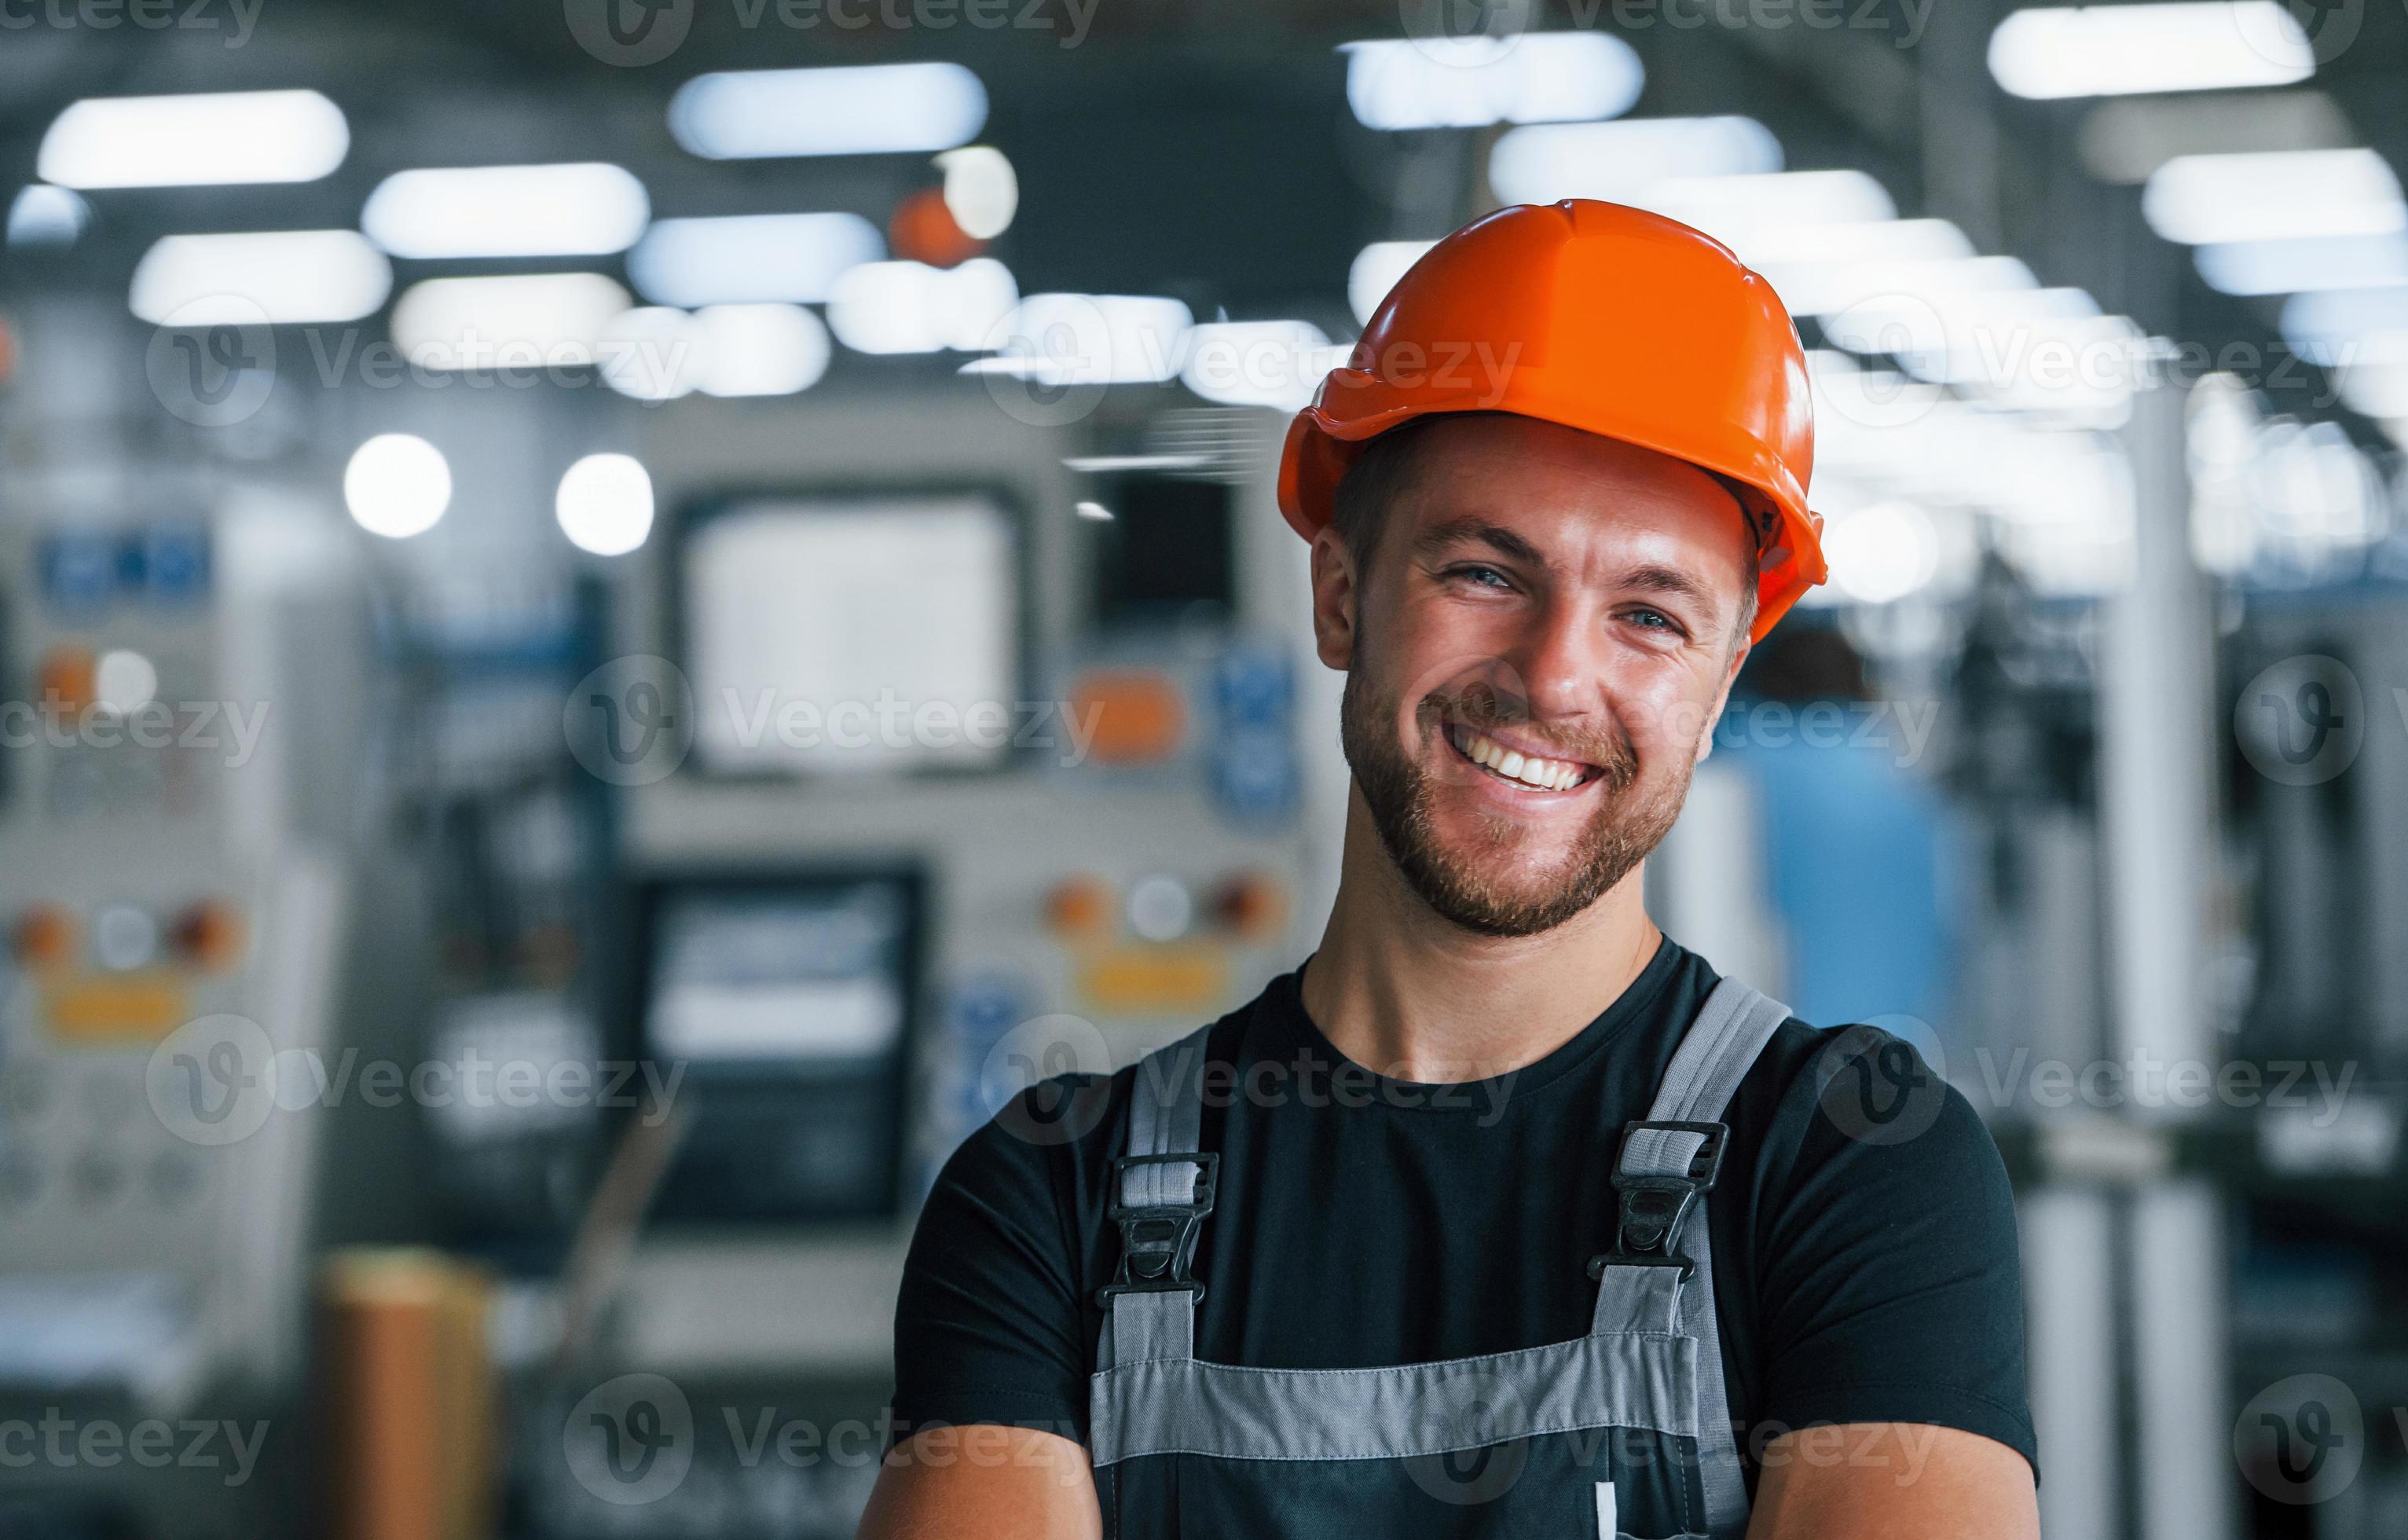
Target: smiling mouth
x,y
1525,772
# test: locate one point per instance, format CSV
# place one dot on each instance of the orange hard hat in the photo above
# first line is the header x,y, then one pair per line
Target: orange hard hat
x,y
1610,320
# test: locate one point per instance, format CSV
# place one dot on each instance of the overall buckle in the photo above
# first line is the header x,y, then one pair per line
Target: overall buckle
x,y
1158,1240
1655,1206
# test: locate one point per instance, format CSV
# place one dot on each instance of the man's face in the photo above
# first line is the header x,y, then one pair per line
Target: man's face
x,y
1536,645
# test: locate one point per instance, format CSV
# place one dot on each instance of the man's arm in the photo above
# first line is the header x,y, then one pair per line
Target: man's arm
x,y
1893,1481
985,1482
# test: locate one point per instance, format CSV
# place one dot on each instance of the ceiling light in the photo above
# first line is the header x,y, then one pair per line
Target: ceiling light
x,y
2274,196
398,485
850,111
760,350
194,141
2298,266
287,277
1622,161
43,215
910,307
580,209
2122,50
749,258
1275,364
1471,82
982,191
605,504
531,320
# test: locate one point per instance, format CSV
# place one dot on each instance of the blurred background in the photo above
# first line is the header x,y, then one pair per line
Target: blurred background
x,y
619,617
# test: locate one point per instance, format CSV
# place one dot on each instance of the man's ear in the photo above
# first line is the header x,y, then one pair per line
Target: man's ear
x,y
1722,698
1336,595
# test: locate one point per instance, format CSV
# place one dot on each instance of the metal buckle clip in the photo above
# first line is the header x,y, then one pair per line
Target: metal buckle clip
x,y
1654,1207
1158,1240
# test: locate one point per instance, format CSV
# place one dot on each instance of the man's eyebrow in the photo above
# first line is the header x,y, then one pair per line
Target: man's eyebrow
x,y
1652,579
1472,527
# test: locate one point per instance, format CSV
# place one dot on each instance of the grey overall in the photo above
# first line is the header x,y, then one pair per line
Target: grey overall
x,y
1623,1431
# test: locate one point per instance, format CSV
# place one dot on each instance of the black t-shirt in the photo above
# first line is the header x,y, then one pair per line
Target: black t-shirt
x,y
1863,1230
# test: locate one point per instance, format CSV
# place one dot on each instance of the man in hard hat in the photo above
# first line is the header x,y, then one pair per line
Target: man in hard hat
x,y
1503,1215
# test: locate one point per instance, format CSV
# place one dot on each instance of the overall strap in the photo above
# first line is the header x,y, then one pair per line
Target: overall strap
x,y
1161,1191
1669,1162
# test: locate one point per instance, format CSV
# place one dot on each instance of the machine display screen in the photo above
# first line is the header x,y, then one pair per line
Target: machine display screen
x,y
851,634
785,1006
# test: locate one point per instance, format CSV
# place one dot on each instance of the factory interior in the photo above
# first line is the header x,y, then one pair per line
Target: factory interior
x,y
490,977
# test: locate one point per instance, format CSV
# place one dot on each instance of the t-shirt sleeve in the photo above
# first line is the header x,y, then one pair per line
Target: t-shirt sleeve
x,y
986,1322
1890,1283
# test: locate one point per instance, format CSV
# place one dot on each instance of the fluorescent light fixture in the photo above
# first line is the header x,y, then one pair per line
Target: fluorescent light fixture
x,y
2134,50
398,485
1829,288
910,307
1258,362
760,350
194,141
1882,553
1096,465
1735,210
2299,267
585,208
530,321
43,215
1471,82
2332,326
1089,339
652,352
859,110
605,504
285,277
1375,271
2200,200
751,258
982,191
1622,161
1879,240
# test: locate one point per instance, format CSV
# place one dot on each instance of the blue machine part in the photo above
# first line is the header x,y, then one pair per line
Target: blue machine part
x,y
1253,768
983,1008
79,573
176,563
1252,688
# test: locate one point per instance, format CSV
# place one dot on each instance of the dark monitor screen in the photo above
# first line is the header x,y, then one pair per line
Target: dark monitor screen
x,y
787,1004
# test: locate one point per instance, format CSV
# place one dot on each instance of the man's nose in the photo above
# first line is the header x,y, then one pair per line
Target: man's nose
x,y
1562,659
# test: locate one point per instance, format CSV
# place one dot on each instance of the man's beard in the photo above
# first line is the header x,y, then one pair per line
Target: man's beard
x,y
1629,822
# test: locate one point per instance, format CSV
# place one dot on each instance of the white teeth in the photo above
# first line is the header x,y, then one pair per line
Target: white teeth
x,y
1547,774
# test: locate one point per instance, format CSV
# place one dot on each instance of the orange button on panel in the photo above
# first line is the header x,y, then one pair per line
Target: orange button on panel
x,y
1252,905
210,935
1137,715
133,1008
1182,978
45,938
1080,906
66,679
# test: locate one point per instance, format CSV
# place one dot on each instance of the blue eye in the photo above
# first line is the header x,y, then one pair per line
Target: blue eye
x,y
1485,575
